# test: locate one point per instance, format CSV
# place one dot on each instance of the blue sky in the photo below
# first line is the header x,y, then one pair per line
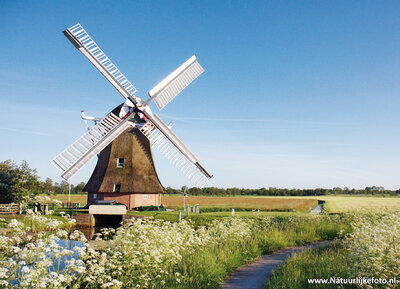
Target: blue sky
x,y
297,94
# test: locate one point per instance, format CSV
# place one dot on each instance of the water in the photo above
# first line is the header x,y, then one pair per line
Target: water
x,y
90,232
317,210
59,263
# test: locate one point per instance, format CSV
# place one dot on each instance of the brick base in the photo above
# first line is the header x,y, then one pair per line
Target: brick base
x,y
131,201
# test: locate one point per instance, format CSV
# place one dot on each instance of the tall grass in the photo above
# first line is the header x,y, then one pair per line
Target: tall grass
x,y
162,254
209,266
323,262
371,250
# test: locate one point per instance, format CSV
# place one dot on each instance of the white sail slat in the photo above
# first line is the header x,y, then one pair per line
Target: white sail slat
x,y
173,84
70,160
82,41
165,141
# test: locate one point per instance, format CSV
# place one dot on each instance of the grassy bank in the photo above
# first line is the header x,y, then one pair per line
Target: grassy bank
x,y
323,263
161,254
215,252
213,264
370,250
203,219
29,221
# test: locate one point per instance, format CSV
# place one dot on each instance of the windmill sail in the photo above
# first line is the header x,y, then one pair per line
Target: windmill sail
x,y
85,44
174,83
74,157
163,139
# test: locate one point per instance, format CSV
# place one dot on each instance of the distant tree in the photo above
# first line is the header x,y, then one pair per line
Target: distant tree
x,y
7,181
78,189
337,190
195,191
213,191
48,186
169,190
57,189
17,182
62,188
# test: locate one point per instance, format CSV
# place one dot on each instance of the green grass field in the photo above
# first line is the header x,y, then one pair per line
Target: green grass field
x,y
338,204
333,204
204,219
82,198
346,203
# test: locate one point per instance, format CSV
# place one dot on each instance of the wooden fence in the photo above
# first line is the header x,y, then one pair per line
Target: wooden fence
x,y
6,209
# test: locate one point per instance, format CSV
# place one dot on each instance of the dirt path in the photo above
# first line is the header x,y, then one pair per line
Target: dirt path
x,y
254,275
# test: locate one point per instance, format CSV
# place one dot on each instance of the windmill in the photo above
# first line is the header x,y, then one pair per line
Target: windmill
x,y
131,122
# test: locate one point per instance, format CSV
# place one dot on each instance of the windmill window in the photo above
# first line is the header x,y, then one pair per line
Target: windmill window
x,y
117,188
120,162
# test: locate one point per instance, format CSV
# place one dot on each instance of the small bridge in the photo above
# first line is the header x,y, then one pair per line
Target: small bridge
x,y
101,215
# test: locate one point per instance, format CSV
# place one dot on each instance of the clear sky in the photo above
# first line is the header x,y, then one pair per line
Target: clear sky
x,y
300,94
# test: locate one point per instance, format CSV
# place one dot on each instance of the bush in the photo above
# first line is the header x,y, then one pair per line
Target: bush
x,y
374,246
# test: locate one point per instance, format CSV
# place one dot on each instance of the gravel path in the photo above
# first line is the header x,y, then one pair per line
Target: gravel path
x,y
254,275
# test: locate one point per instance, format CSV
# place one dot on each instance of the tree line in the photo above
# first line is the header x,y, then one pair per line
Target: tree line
x,y
19,182
213,191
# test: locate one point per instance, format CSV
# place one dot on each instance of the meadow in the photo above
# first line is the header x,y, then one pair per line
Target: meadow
x,y
348,203
78,198
204,218
202,250
275,204
153,253
333,204
264,204
370,250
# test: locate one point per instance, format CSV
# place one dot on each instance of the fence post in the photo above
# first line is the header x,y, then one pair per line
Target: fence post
x,y
179,216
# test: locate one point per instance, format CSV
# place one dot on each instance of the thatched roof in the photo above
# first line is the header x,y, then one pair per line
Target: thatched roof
x,y
138,175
